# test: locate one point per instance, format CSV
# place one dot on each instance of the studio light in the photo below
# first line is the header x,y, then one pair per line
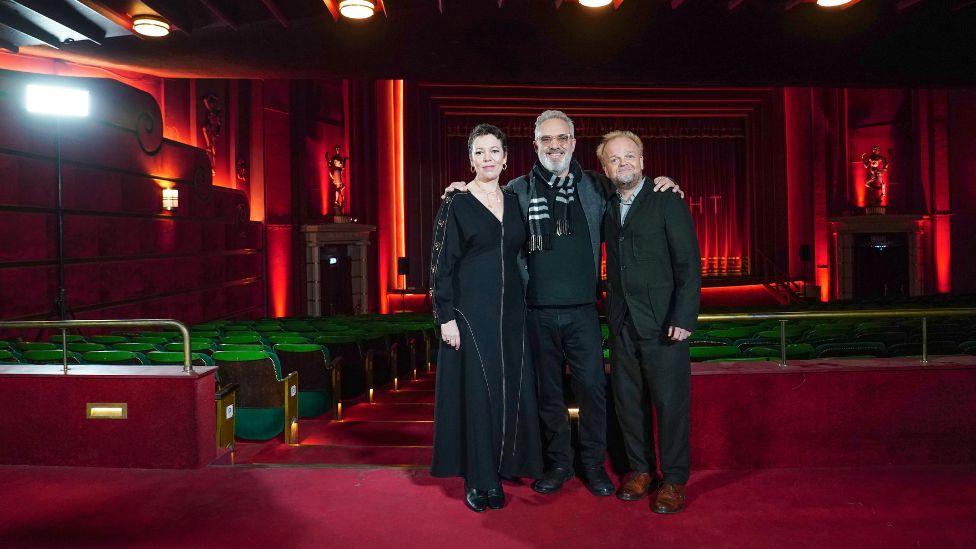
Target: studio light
x,y
150,25
832,3
356,9
595,3
57,100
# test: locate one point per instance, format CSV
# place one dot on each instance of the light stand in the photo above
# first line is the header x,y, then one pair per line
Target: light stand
x,y
59,102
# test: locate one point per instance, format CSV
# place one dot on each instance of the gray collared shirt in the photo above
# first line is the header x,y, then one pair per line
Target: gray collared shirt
x,y
626,204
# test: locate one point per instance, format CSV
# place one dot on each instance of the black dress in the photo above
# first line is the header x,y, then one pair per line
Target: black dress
x,y
486,418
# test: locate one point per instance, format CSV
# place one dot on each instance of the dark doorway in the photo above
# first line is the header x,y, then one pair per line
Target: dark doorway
x,y
336,279
881,265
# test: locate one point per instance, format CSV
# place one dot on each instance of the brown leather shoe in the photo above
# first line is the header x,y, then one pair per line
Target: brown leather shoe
x,y
635,486
670,499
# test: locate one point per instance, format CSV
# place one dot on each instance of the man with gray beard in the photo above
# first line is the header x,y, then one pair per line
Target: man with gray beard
x,y
654,276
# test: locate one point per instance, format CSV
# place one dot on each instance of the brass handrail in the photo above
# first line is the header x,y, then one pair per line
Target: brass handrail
x,y
64,325
784,317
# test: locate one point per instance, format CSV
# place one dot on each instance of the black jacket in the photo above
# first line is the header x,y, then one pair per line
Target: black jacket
x,y
653,263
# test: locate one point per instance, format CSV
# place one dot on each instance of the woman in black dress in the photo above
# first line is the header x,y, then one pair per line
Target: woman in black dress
x,y
486,422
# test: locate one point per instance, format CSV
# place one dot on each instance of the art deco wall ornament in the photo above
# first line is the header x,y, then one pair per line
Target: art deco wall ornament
x,y
211,128
337,164
877,188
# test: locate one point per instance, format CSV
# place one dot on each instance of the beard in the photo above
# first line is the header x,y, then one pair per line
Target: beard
x,y
626,181
556,167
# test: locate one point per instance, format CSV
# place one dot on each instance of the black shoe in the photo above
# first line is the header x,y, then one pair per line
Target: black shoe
x,y
597,481
496,497
475,499
553,480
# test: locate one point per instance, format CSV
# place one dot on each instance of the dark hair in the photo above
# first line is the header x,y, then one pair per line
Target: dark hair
x,y
487,129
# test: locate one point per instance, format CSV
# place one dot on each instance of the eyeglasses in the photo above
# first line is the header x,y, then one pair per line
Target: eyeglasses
x,y
547,140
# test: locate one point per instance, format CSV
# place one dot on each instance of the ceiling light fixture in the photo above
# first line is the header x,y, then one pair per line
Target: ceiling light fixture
x,y
832,3
595,3
357,9
150,25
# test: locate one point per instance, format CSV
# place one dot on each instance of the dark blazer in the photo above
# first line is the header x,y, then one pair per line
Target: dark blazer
x,y
653,263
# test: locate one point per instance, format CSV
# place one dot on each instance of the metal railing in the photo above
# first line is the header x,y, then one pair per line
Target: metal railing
x,y
65,325
785,317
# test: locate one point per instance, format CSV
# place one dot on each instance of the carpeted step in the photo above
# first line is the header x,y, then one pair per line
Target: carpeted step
x,y
404,397
422,384
389,412
366,433
416,456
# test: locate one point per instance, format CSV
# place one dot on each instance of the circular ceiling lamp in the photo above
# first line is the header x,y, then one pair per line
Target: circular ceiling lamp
x,y
356,9
832,3
595,3
150,25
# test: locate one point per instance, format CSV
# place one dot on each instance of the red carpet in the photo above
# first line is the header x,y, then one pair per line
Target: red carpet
x,y
328,490
300,507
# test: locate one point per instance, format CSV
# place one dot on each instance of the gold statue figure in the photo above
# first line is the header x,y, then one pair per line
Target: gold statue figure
x,y
877,166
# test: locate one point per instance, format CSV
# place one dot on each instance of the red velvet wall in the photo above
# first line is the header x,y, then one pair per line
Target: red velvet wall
x,y
962,198
800,204
125,256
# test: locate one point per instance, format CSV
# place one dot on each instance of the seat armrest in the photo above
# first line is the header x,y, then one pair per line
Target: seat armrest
x,y
224,391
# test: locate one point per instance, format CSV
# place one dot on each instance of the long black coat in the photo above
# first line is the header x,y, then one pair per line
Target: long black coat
x,y
653,263
486,418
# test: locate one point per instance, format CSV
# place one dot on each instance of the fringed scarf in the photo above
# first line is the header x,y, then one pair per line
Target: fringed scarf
x,y
545,218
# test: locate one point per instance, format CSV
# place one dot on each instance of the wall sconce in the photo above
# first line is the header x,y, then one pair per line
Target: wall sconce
x,y
106,410
171,199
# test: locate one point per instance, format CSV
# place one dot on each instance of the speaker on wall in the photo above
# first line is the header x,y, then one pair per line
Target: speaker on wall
x,y
805,252
403,266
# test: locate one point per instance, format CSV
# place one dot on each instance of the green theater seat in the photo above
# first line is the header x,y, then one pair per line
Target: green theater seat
x,y
237,327
136,347
234,337
267,403
864,349
37,346
155,340
797,351
107,339
968,347
70,338
85,347
49,356
196,346
713,352
731,333
317,383
176,358
275,339
114,357
208,334
8,357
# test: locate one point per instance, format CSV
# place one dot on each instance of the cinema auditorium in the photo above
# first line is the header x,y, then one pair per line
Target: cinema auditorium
x,y
239,306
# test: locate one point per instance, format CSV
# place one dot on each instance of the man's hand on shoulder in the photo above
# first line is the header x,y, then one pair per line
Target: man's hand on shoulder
x,y
457,186
663,183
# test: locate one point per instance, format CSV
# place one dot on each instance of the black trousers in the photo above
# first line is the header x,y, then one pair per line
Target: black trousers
x,y
652,372
571,334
